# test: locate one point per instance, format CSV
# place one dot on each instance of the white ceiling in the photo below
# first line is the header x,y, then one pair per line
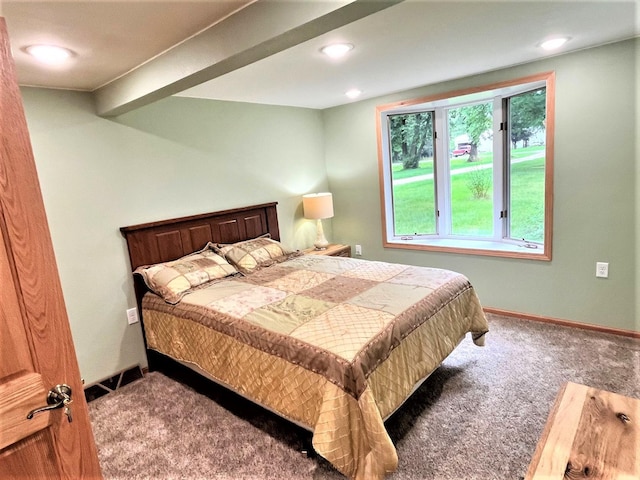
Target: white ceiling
x,y
110,38
412,43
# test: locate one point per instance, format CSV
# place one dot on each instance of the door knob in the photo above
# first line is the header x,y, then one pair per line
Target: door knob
x,y
58,397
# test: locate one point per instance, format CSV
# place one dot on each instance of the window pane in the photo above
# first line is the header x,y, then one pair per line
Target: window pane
x,y
412,165
527,165
471,169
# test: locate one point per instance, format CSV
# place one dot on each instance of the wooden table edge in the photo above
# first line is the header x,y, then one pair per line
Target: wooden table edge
x,y
537,454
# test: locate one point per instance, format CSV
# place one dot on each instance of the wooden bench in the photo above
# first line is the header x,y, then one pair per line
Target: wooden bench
x,y
590,433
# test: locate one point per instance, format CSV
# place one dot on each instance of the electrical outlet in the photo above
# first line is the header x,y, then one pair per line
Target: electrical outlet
x,y
602,269
359,250
132,316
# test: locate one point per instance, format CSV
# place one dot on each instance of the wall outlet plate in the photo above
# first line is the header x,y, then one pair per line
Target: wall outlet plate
x,y
358,250
132,316
602,270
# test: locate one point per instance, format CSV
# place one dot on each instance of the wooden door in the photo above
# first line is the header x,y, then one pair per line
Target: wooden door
x,y
36,349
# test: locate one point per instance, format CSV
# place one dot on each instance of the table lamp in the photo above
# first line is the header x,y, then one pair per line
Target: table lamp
x,y
317,206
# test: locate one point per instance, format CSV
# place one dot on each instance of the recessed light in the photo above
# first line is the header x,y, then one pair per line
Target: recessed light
x,y
49,54
554,43
337,50
353,93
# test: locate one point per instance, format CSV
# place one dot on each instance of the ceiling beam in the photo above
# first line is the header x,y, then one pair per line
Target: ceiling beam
x,y
259,30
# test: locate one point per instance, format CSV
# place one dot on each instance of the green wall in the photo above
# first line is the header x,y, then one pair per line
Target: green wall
x,y
176,157
595,179
636,218
183,156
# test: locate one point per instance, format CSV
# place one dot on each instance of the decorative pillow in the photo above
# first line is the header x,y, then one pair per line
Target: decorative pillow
x,y
172,280
251,255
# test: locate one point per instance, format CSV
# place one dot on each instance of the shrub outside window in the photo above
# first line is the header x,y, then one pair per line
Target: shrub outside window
x,y
470,171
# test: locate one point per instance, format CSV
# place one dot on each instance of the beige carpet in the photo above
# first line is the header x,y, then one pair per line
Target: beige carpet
x,y
478,416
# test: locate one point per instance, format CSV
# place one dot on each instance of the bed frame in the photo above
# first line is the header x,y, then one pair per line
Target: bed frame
x,y
167,240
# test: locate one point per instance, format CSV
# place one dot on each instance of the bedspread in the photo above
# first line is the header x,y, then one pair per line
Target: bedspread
x,y
332,343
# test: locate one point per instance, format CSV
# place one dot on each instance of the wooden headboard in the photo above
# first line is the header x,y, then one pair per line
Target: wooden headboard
x,y
166,240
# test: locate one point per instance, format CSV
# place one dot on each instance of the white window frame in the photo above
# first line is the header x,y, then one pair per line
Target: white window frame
x,y
441,240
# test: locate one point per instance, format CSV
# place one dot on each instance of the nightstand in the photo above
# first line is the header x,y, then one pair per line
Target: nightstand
x,y
333,250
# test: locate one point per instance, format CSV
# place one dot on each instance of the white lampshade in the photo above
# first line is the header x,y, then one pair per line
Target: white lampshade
x,y
317,205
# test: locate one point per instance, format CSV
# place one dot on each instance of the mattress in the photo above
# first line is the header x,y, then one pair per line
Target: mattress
x,y
331,343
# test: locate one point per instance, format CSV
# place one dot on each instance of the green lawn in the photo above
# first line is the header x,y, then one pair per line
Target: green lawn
x,y
527,208
426,166
414,202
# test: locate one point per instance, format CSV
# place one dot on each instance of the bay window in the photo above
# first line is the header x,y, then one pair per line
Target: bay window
x,y
470,171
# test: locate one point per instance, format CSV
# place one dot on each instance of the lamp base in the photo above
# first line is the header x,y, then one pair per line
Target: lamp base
x,y
321,242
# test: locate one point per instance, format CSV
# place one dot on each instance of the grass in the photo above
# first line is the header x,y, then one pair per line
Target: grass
x,y
414,208
470,215
426,166
414,203
527,208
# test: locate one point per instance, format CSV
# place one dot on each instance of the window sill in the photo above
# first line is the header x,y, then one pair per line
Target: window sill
x,y
472,247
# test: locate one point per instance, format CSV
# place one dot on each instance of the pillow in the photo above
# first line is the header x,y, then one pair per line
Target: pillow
x,y
172,280
251,255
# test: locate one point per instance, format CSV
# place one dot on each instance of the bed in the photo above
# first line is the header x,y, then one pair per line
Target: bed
x,y
333,344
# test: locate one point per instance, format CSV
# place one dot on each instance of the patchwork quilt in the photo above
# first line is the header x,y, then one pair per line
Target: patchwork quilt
x,y
334,344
